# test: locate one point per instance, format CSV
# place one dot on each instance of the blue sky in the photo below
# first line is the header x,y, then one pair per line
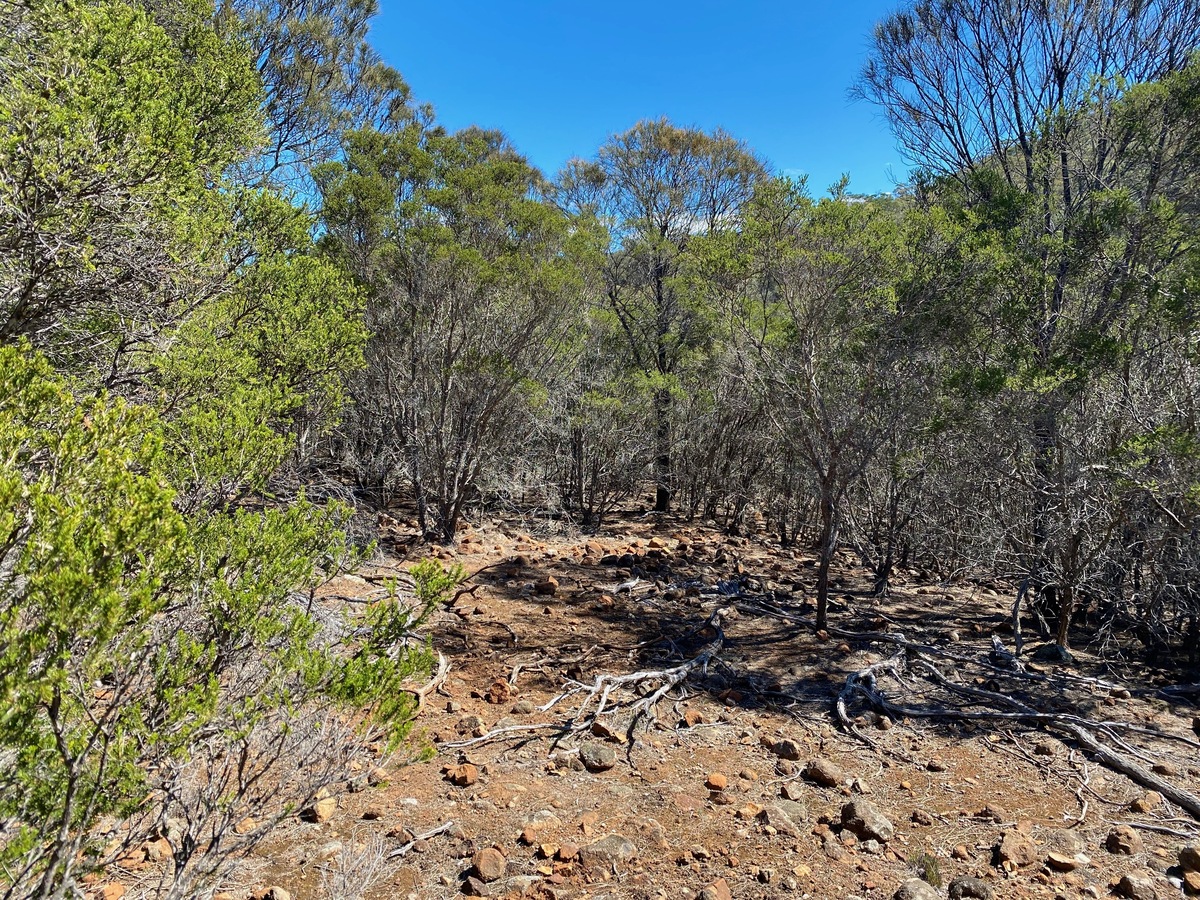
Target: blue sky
x,y
560,77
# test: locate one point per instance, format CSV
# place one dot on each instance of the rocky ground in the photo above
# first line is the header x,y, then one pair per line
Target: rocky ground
x,y
721,770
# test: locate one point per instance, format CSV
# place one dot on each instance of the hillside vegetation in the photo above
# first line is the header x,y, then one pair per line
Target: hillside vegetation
x,y
255,300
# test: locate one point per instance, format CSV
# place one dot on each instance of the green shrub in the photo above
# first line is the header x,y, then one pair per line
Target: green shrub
x,y
168,670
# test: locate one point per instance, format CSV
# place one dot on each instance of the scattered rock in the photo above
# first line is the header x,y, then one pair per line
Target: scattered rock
x,y
322,810
1191,882
606,852
823,772
1167,769
547,587
967,886
920,817
463,775
1123,840
490,864
113,891
993,813
718,890
787,749
537,823
1062,862
472,725
861,817
936,765
784,816
1148,802
567,852
916,889
499,691
692,718
274,892
597,757
716,782
791,791
1189,859
1044,748
523,708
1137,887
1052,653
515,886
1016,849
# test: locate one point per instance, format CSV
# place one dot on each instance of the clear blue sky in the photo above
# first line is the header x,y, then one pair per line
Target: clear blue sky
x,y
559,77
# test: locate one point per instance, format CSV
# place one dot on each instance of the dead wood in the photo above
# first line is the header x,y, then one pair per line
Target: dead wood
x,y
404,850
1003,706
614,695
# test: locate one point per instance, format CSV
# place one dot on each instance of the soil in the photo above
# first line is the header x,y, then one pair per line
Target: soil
x,y
695,789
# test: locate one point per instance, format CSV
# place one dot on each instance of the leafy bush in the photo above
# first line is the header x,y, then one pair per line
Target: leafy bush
x,y
172,672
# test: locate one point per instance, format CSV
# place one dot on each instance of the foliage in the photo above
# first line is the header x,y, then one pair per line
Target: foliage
x,y
131,632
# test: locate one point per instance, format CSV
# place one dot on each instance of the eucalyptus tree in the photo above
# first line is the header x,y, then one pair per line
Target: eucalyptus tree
x,y
815,292
656,187
475,294
320,78
1070,130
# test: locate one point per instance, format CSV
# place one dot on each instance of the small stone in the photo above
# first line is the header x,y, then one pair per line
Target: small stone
x,y
1170,770
547,587
1189,859
920,817
499,691
490,864
1191,882
716,782
470,725
787,749
606,852
1061,862
692,718
322,810
936,765
567,852
1137,887
823,772
245,826
784,817
791,790
113,891
718,890
1148,802
916,889
463,775
961,852
1015,848
1044,748
861,817
523,708
597,757
967,886
1123,840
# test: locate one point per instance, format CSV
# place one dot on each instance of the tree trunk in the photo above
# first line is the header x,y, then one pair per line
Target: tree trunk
x,y
662,451
827,545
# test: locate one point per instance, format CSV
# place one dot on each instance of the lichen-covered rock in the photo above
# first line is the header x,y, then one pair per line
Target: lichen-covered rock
x,y
864,820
